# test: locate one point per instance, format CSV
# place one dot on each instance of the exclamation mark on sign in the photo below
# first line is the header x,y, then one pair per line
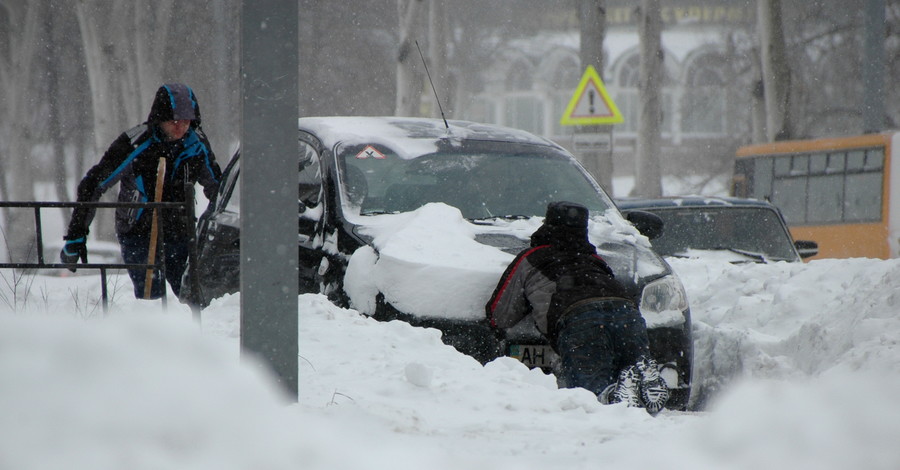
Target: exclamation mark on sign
x,y
591,101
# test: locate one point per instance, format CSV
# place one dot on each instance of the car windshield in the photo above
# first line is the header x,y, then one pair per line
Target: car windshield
x,y
483,180
745,230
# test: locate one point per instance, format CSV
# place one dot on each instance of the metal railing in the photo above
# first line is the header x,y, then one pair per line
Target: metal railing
x,y
41,263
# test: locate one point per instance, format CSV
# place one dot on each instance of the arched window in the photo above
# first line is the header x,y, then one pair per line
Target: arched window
x,y
563,81
627,94
630,72
627,97
519,77
522,108
703,108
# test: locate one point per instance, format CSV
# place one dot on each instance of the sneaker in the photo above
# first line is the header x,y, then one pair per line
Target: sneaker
x,y
652,388
626,388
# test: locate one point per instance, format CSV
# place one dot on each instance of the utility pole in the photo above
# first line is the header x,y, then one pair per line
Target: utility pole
x,y
270,151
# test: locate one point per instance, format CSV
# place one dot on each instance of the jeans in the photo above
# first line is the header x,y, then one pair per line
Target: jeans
x,y
598,339
135,249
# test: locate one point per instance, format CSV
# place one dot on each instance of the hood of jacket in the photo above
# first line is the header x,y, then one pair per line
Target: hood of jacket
x,y
174,101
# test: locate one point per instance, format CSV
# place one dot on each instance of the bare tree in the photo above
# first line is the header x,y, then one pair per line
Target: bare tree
x,y
776,74
409,79
84,71
122,43
648,175
348,57
592,22
20,81
757,99
437,53
892,63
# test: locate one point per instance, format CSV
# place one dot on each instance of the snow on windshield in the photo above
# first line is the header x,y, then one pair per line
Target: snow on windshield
x,y
430,250
433,250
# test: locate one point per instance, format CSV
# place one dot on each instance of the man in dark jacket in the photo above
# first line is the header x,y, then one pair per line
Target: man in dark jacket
x,y
172,132
575,301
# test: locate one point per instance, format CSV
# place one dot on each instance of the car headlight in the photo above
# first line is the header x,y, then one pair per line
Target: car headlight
x,y
665,294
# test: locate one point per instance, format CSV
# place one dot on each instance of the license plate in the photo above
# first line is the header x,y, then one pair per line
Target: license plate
x,y
532,355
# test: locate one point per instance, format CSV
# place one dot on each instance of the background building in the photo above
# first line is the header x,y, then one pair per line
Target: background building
x,y
705,106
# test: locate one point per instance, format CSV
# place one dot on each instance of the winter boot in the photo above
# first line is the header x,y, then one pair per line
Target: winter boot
x,y
652,388
626,388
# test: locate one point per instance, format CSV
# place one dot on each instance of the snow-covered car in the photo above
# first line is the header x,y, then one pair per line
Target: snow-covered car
x,y
731,229
416,219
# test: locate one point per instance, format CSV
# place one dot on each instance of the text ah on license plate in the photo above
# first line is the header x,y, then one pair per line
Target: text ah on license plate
x,y
532,355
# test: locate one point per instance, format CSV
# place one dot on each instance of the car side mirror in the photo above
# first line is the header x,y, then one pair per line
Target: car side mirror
x,y
806,248
650,225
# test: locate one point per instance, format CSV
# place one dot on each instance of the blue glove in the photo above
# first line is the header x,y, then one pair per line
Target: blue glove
x,y
72,251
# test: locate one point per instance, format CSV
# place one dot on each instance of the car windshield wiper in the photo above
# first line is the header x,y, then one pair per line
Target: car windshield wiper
x,y
504,217
377,212
749,254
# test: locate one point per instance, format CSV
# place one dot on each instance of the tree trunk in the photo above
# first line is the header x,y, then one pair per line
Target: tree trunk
x,y
592,21
437,58
52,55
124,56
648,176
758,100
874,67
224,64
409,80
22,80
775,71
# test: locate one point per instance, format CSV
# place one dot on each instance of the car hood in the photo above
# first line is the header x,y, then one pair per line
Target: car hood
x,y
633,263
433,263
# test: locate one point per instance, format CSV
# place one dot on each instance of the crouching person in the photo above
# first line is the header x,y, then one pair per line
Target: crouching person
x,y
585,313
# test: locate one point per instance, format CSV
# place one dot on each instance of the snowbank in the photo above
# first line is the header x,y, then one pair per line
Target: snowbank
x,y
798,363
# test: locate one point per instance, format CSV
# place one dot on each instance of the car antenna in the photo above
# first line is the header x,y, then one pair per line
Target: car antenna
x,y
438,100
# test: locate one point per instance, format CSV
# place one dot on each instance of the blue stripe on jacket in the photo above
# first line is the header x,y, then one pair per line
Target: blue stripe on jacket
x,y
113,177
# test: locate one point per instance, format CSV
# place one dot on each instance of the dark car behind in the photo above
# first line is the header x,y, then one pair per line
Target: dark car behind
x,y
741,230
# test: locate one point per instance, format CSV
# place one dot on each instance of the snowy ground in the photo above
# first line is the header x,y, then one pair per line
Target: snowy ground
x,y
797,367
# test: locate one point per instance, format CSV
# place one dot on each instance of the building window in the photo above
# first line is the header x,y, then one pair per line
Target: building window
x,y
522,106
563,82
481,109
703,106
626,95
524,111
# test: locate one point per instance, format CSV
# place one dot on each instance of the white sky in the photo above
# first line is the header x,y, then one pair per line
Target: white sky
x,y
802,362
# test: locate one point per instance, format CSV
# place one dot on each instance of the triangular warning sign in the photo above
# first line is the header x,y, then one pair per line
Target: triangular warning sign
x,y
370,151
591,103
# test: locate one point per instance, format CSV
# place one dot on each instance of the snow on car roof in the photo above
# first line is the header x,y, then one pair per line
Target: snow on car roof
x,y
409,137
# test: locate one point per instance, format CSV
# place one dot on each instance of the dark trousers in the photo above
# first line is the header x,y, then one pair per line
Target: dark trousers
x,y
136,247
597,339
